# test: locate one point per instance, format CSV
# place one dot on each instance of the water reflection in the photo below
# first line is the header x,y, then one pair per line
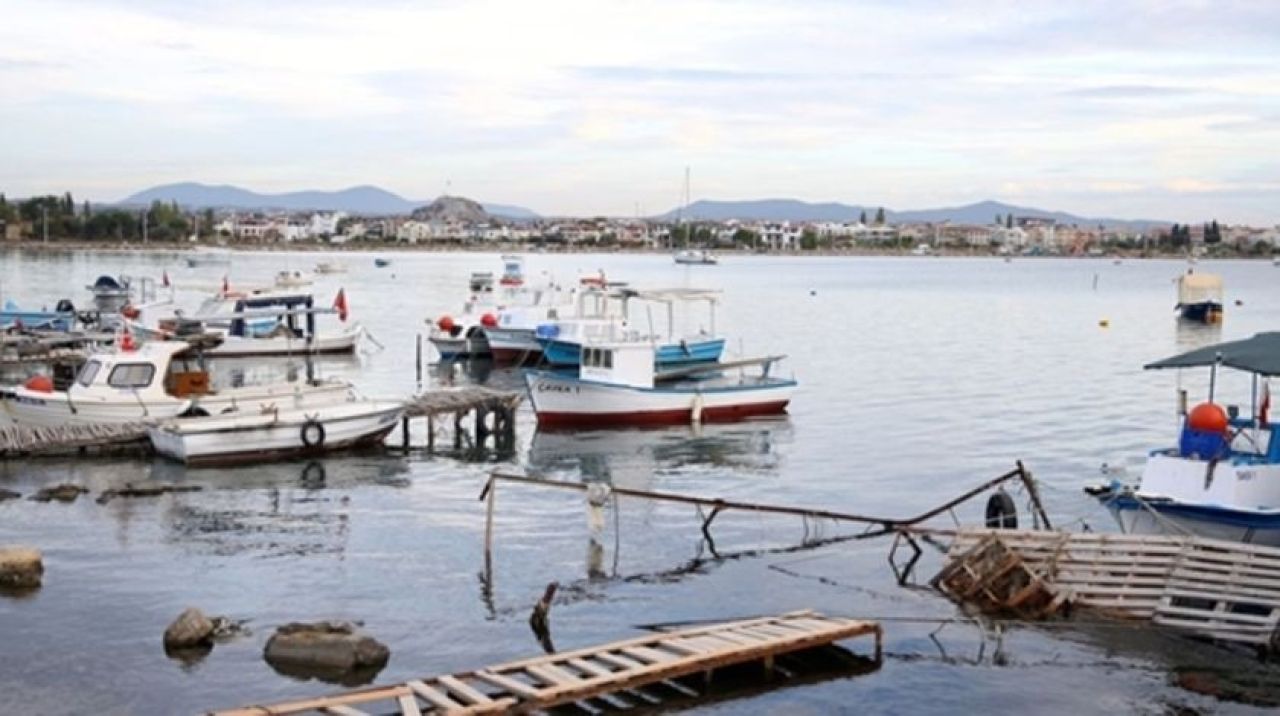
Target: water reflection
x,y
633,458
1194,334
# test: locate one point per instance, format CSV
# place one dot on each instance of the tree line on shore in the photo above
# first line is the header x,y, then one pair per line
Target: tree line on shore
x,y
58,217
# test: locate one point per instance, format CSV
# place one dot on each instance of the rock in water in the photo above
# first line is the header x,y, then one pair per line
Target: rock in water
x,y
330,648
20,567
9,495
61,493
191,628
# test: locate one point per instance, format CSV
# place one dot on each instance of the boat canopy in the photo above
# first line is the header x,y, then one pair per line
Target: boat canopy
x,y
669,295
1260,354
1196,288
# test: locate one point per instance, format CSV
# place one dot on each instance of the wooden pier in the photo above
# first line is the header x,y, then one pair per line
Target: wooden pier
x,y
597,674
1214,588
35,440
494,411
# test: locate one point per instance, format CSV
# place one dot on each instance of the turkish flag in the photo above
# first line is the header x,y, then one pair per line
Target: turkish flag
x,y
340,303
164,279
226,285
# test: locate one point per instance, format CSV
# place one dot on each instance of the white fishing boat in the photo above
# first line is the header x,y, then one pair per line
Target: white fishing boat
x,y
157,380
330,267
514,340
695,256
618,386
271,433
265,322
1200,297
464,337
1222,479
293,278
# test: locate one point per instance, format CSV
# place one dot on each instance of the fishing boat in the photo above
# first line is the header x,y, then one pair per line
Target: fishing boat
x,y
1200,297
292,278
617,385
151,381
1222,479
253,435
464,338
381,262
62,318
513,340
695,257
330,267
260,322
563,341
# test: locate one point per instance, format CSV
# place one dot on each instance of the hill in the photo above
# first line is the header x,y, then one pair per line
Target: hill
x,y
983,212
355,200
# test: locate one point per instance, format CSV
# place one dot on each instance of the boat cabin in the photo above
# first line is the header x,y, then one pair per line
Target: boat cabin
x,y
629,364
154,370
261,313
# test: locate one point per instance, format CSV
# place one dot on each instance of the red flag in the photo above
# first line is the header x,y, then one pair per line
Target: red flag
x,y
226,285
1264,410
164,279
340,303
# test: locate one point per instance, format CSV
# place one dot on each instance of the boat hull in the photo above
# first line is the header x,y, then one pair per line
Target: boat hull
x,y
513,346
568,402
1207,312
1249,527
222,440
236,346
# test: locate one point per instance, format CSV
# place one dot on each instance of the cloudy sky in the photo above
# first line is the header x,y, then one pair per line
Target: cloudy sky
x,y
1126,109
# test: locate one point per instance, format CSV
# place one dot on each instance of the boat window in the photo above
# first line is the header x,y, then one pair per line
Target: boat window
x,y
587,356
88,373
131,375
608,359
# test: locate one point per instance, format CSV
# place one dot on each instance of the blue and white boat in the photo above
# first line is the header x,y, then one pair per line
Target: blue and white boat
x,y
608,316
62,318
1222,479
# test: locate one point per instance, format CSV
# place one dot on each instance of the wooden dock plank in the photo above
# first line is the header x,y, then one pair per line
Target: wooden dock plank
x,y
603,673
340,710
457,687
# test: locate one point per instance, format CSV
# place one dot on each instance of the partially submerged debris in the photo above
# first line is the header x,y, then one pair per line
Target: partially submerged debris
x,y
131,490
995,579
65,492
21,567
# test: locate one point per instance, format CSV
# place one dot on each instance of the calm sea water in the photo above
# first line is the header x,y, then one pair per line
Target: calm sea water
x,y
920,377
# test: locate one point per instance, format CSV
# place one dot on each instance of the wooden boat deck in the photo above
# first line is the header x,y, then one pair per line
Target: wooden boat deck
x,y
1215,588
583,674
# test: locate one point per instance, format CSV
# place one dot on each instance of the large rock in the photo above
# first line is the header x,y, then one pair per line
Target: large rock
x,y
62,493
20,567
329,648
191,629
9,495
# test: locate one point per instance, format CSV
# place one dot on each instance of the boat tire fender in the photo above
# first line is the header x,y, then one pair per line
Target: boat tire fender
x,y
312,433
1002,513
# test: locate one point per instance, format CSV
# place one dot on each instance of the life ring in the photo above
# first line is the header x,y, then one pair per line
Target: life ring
x,y
1002,513
312,433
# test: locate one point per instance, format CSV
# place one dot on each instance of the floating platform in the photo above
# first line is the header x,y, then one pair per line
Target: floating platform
x,y
593,673
1214,588
36,440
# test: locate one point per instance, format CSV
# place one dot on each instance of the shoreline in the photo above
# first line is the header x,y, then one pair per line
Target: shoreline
x,y
56,247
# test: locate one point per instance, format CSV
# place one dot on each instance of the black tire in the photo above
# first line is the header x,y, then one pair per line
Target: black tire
x,y
312,433
1002,513
194,412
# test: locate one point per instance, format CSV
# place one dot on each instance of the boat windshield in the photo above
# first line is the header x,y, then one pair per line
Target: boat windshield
x,y
131,375
88,373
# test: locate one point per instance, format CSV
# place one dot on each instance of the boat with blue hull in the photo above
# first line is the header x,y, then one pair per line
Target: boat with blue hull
x,y
610,319
1222,479
62,318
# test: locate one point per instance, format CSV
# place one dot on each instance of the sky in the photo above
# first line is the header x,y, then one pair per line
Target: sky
x,y
1137,110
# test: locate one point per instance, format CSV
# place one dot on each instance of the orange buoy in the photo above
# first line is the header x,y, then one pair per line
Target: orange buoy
x,y
1208,418
445,323
39,383
126,343
131,312
489,320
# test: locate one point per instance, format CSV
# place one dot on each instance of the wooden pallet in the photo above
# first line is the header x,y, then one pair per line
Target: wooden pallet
x,y
1216,588
596,672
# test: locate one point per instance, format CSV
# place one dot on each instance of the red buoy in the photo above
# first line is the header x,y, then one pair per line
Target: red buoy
x,y
1208,418
131,312
489,320
445,323
39,383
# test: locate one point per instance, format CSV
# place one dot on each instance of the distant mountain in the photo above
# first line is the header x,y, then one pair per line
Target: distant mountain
x,y
356,200
983,212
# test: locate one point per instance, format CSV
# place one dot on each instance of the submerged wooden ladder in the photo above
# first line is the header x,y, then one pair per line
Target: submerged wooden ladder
x,y
595,672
